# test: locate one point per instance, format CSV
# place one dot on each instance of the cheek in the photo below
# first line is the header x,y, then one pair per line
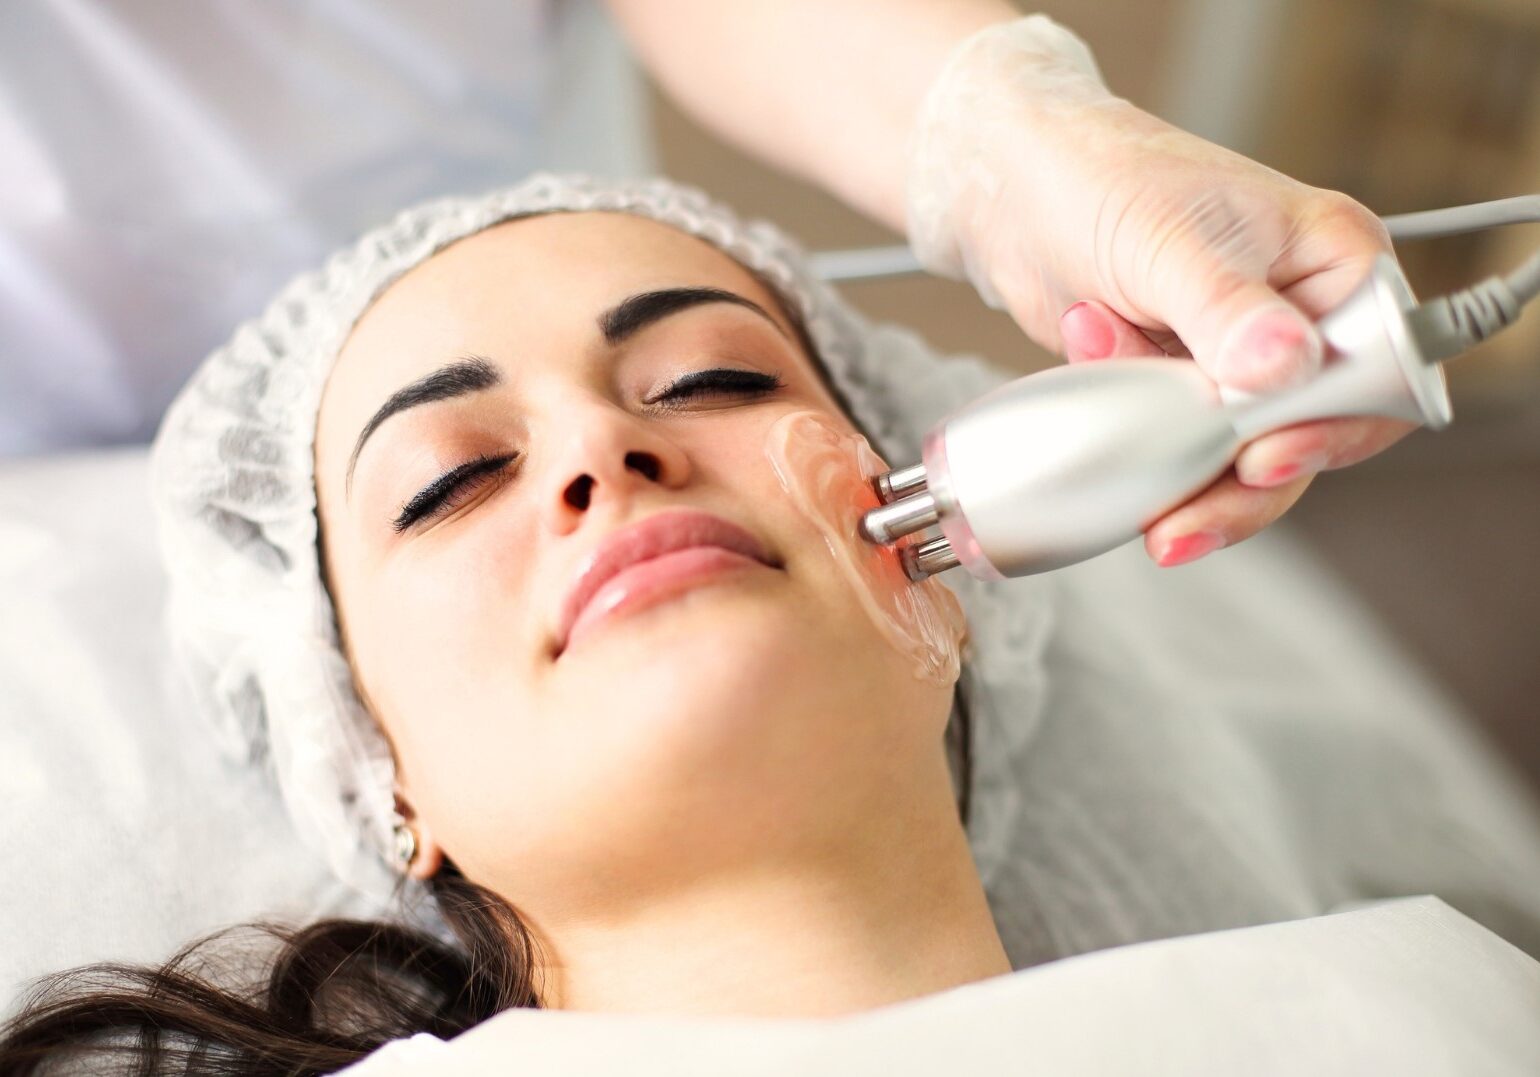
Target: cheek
x,y
467,607
826,472
441,636
450,676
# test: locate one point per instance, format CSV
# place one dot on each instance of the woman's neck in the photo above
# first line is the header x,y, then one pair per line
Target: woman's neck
x,y
897,914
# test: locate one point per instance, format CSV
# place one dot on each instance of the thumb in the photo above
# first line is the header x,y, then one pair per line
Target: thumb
x,y
1241,332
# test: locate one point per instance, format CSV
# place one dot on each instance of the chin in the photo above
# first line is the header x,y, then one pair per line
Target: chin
x,y
701,643
706,672
738,723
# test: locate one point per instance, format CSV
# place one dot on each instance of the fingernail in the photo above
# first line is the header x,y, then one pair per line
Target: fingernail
x,y
1092,334
1282,473
1187,548
1275,350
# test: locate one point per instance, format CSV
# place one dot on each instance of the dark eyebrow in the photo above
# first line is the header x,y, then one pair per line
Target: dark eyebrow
x,y
469,375
475,373
639,311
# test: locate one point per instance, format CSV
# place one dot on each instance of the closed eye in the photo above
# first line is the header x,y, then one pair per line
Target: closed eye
x,y
450,490
716,382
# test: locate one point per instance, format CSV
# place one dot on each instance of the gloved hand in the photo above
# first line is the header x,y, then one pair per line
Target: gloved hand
x,y
1105,231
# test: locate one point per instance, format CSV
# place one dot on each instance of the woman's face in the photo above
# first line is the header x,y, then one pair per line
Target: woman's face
x,y
510,412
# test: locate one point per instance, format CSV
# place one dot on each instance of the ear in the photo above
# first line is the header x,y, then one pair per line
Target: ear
x,y
430,855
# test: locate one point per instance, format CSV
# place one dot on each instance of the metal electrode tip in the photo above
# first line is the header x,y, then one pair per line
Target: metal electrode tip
x,y
889,523
928,558
900,482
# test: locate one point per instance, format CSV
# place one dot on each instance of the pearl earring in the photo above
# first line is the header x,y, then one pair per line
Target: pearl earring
x,y
404,842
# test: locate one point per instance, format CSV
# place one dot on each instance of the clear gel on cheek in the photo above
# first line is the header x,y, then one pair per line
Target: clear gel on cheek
x,y
827,473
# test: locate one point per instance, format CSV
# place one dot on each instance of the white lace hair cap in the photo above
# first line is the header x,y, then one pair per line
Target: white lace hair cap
x,y
234,488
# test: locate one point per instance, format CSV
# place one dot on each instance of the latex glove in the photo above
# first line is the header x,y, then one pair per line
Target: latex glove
x,y
1105,231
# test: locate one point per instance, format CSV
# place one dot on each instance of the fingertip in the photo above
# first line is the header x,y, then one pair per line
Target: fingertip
x,y
1264,474
1186,548
1093,330
1228,511
1087,333
1306,444
1271,347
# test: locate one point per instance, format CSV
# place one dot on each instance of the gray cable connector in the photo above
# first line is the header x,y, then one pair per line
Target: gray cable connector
x,y
1451,324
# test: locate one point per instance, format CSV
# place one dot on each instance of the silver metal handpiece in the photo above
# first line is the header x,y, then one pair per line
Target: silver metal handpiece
x,y
928,558
892,485
903,517
1067,463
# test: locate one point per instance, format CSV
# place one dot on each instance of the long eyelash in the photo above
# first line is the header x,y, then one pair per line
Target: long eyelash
x,y
437,495
700,383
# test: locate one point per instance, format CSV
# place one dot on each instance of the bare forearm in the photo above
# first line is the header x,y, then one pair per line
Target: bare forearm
x,y
826,89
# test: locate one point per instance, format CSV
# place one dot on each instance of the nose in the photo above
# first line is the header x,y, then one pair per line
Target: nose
x,y
607,456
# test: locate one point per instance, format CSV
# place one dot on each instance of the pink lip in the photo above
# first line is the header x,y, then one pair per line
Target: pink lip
x,y
653,559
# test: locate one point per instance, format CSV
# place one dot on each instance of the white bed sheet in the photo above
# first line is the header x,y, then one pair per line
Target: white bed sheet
x,y
127,834
1408,987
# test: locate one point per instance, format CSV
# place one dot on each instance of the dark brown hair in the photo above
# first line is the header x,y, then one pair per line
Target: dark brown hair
x,y
327,996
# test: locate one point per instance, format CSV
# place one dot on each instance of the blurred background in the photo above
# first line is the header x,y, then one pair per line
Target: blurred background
x,y
1405,105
